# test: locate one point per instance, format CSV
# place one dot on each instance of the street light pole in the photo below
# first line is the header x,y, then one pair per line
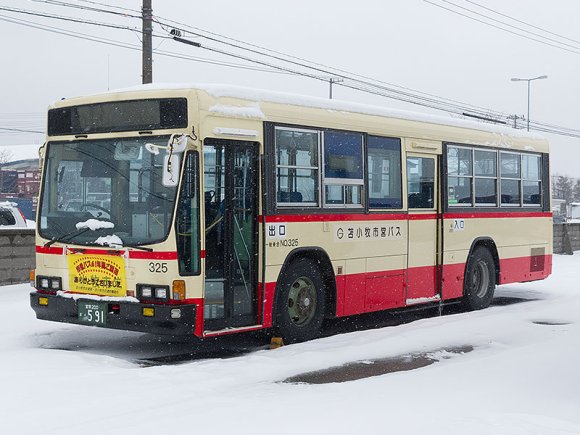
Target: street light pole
x,y
515,79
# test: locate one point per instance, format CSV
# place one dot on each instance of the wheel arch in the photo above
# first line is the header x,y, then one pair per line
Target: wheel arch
x,y
489,244
319,255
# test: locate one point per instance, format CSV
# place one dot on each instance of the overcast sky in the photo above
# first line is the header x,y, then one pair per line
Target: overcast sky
x,y
409,43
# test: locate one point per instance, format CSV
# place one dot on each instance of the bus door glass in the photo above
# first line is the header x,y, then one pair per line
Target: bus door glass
x,y
422,204
231,233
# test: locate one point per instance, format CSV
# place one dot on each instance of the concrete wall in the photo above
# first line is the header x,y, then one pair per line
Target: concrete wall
x,y
17,251
566,238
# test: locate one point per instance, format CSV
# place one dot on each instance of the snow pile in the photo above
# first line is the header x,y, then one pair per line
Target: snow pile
x,y
112,240
252,112
259,95
521,378
94,225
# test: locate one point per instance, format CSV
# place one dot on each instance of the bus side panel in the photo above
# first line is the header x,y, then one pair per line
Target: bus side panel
x,y
355,287
269,294
452,278
523,243
384,291
421,282
522,269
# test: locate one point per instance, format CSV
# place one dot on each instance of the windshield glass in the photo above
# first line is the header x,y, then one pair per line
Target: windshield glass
x,y
111,181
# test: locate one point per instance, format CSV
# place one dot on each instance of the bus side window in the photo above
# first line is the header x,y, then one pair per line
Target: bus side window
x,y
187,220
420,182
297,167
384,172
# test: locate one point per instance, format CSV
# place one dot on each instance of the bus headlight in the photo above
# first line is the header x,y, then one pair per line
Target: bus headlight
x,y
49,283
151,292
146,292
160,292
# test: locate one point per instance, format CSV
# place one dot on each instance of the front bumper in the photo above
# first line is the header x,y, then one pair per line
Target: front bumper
x,y
129,316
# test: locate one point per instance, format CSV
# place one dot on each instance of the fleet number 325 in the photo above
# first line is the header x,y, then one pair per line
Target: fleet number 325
x,y
158,267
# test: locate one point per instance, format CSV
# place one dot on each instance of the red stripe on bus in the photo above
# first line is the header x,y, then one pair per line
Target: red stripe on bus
x,y
331,217
497,215
422,217
159,255
52,250
328,217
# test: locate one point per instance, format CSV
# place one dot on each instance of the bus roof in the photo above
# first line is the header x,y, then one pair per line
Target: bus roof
x,y
243,102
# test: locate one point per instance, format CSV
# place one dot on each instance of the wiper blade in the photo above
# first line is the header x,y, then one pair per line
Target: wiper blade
x,y
66,237
142,248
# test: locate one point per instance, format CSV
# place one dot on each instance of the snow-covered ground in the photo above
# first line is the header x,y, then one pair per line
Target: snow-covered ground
x,y
522,376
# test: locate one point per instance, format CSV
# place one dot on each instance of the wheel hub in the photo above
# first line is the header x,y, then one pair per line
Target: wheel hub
x,y
302,301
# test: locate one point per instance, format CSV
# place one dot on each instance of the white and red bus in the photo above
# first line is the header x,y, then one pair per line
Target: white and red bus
x,y
207,210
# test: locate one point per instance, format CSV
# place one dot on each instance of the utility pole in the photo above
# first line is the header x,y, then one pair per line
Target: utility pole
x,y
331,81
515,118
147,15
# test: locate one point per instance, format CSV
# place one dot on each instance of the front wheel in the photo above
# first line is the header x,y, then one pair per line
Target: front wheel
x,y
300,302
479,280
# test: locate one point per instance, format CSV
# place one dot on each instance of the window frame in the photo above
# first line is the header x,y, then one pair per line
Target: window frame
x,y
470,177
542,161
486,177
344,182
195,268
289,205
368,172
539,180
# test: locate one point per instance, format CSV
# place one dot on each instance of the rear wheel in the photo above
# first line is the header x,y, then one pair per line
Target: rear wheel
x,y
479,280
300,302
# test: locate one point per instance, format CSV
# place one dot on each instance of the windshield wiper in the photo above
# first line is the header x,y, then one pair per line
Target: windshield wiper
x,y
142,248
66,237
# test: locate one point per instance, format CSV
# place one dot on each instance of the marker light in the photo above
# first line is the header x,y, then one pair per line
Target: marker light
x,y
148,311
43,301
179,290
32,277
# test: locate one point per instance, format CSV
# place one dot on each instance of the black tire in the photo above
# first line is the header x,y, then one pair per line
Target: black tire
x,y
479,280
300,302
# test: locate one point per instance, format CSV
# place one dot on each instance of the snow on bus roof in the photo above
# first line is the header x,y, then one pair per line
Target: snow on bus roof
x,y
255,96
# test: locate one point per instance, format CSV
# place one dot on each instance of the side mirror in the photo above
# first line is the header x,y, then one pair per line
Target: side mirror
x,y
170,170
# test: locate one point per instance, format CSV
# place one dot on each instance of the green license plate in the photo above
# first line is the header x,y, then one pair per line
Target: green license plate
x,y
93,313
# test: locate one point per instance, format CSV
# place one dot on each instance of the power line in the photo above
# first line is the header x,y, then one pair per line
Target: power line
x,y
70,19
353,81
87,8
523,22
129,46
21,130
501,28
507,24
325,69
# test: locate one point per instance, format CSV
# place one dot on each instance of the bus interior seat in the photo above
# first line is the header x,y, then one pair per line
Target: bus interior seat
x,y
290,197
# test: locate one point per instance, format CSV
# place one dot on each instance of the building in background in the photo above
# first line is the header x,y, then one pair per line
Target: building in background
x,y
19,183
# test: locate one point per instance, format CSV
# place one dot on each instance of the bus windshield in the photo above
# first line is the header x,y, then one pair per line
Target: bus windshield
x,y
117,182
